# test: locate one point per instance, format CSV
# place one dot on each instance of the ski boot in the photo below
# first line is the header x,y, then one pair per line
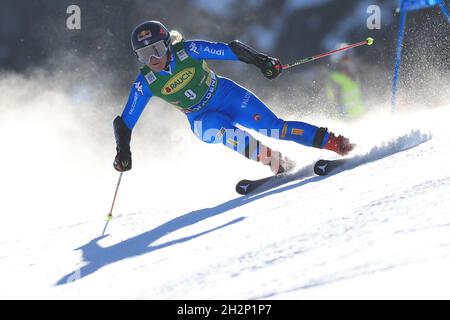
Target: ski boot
x,y
340,144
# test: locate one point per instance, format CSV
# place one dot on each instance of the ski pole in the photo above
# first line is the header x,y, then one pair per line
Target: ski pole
x,y
110,216
368,41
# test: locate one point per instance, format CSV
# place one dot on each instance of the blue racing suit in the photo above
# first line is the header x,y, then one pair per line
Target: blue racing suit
x,y
230,104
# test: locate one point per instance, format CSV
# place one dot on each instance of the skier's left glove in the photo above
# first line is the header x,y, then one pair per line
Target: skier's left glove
x,y
271,68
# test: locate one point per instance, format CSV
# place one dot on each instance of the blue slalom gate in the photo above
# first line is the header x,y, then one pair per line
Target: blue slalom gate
x,y
405,7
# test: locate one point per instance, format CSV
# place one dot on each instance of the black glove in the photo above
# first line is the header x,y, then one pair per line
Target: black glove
x,y
272,68
122,161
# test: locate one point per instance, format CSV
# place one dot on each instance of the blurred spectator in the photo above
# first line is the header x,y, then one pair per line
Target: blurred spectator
x,y
344,87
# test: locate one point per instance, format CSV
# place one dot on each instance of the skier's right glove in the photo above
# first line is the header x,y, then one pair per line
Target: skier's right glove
x,y
122,161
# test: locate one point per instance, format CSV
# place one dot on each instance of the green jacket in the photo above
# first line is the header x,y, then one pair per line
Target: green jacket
x,y
346,94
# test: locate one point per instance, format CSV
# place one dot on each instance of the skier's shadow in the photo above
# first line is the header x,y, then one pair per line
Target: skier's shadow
x,y
96,256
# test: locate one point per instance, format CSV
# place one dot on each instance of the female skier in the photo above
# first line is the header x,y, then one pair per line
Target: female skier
x,y
175,70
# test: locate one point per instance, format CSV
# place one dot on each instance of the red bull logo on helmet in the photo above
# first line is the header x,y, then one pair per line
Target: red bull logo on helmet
x,y
144,34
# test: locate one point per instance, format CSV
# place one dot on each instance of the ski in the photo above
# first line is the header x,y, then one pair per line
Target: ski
x,y
248,186
325,167
245,187
321,168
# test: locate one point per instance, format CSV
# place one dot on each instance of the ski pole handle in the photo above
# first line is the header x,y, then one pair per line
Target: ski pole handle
x,y
368,41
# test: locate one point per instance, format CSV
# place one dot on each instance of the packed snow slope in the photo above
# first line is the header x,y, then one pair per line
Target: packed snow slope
x,y
379,229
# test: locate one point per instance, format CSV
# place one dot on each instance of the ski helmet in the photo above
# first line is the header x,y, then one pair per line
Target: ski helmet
x,y
150,38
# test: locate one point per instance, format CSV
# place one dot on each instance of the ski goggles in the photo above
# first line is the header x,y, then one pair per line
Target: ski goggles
x,y
157,50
